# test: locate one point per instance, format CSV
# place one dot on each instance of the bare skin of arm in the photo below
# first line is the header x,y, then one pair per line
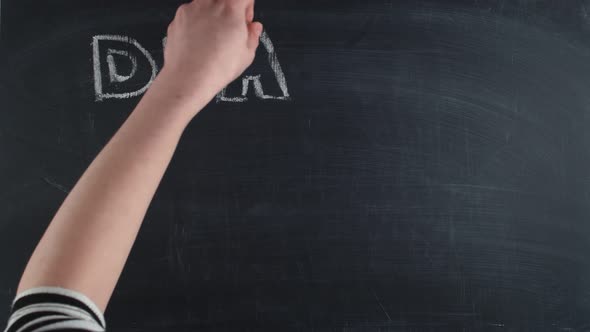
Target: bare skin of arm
x,y
85,247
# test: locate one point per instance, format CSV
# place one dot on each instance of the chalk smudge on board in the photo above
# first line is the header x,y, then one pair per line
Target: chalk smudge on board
x,y
381,305
56,185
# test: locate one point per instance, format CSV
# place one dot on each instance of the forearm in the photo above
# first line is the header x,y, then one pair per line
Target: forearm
x,y
85,247
87,243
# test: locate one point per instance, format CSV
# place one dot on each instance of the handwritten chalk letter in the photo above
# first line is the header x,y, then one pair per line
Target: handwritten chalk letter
x,y
113,74
274,64
127,50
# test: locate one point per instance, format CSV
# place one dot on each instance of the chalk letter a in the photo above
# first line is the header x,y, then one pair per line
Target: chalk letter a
x,y
274,64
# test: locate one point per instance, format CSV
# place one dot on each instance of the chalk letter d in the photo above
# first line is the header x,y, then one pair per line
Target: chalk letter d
x,y
113,74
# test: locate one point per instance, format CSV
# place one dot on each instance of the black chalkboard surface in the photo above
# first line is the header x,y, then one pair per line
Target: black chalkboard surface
x,y
382,166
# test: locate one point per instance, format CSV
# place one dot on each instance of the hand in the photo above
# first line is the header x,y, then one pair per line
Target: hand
x,y
209,44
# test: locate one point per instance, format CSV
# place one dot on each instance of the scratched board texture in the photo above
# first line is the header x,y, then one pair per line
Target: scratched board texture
x,y
430,171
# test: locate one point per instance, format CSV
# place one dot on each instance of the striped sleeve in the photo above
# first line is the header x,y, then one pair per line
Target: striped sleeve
x,y
54,309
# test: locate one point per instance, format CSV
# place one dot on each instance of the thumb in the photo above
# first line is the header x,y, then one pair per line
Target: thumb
x,y
254,31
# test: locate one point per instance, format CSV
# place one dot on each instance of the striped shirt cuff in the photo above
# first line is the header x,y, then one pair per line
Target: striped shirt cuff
x,y
54,309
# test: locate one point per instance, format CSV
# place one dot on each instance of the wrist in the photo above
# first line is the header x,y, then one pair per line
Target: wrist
x,y
186,85
178,96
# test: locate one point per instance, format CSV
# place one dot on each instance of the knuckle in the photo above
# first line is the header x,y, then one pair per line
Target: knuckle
x,y
181,9
186,8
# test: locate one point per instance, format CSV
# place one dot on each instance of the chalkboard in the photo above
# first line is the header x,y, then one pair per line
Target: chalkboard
x,y
383,165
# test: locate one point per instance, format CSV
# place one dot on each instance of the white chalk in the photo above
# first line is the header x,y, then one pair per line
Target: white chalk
x,y
275,66
114,75
98,87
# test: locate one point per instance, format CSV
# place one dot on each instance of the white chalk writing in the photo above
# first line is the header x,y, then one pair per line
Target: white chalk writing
x,y
116,77
274,64
100,94
113,73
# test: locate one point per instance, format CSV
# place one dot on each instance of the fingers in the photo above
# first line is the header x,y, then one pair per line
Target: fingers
x,y
239,5
250,11
254,31
244,3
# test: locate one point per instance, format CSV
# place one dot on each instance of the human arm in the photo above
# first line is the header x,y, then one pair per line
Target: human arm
x,y
210,43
